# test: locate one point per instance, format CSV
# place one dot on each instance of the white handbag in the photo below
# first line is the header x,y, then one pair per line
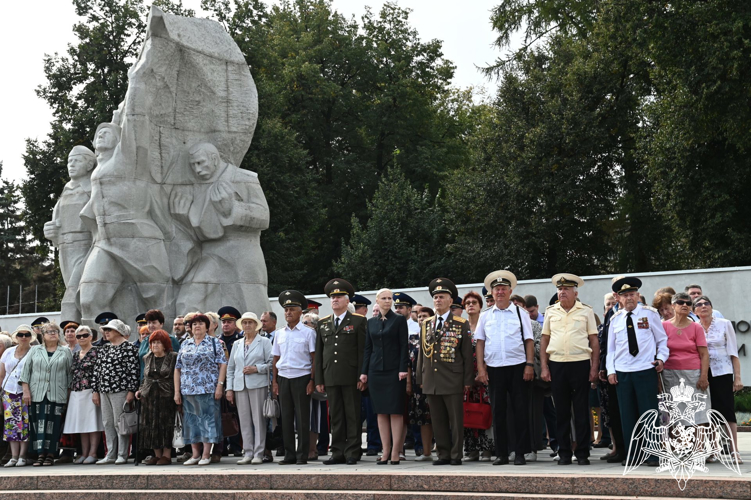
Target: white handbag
x,y
177,438
271,407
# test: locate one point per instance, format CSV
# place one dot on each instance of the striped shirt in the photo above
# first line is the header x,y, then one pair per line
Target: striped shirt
x,y
48,377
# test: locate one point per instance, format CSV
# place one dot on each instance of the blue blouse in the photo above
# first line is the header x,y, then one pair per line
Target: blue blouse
x,y
199,365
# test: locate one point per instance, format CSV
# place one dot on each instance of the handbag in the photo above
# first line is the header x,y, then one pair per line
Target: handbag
x,y
128,421
477,416
230,422
271,407
177,437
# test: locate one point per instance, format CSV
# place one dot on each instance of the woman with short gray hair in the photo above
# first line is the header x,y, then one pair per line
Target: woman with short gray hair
x,y
16,413
45,379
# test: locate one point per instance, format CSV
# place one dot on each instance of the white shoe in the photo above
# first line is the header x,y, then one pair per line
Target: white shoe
x,y
557,457
485,459
105,461
531,456
192,461
257,460
21,462
424,458
204,461
512,456
89,460
121,461
245,460
79,460
12,462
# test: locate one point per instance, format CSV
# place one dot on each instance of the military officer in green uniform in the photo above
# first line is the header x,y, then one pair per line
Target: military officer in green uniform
x,y
445,369
340,344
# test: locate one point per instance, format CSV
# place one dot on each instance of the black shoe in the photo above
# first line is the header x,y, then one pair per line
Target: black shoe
x,y
501,461
280,452
351,461
371,452
606,456
334,461
301,462
623,463
601,445
381,462
441,461
564,461
456,461
395,462
286,462
584,461
653,462
553,454
614,459
267,459
520,460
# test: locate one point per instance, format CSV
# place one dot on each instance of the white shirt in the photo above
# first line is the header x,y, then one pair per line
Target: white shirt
x,y
650,336
715,314
13,369
721,344
294,347
502,333
413,327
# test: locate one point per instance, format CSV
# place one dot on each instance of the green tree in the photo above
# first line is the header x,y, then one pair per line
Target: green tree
x,y
403,242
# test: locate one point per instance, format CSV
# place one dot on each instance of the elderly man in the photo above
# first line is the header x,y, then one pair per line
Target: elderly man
x,y
505,361
361,304
178,328
268,325
294,373
694,291
340,341
569,358
445,370
637,351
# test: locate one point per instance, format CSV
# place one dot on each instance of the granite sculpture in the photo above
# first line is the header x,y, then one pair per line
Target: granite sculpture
x,y
174,223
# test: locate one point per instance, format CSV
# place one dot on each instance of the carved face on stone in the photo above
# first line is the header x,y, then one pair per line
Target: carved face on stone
x,y
204,164
79,165
105,139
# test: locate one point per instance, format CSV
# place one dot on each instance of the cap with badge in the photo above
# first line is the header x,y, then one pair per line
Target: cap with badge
x,y
567,279
338,286
293,298
313,305
39,321
458,303
105,317
358,300
497,278
443,285
141,319
486,293
228,312
69,324
626,284
402,299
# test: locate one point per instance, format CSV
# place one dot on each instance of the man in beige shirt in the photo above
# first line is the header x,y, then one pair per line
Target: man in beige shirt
x,y
569,355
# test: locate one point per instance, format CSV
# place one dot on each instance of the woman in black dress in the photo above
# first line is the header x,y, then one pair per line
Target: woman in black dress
x,y
385,371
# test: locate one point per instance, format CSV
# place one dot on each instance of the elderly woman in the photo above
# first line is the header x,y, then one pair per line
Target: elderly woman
x,y
16,428
419,412
664,305
724,366
385,370
83,416
248,386
157,399
69,334
45,379
115,384
200,372
689,358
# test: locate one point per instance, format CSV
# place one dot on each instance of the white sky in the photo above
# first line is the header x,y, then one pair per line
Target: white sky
x,y
464,28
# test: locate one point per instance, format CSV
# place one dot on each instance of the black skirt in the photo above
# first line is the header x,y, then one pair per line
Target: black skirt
x,y
388,394
722,396
157,426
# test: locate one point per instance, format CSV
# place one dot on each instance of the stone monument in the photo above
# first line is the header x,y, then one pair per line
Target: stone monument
x,y
174,223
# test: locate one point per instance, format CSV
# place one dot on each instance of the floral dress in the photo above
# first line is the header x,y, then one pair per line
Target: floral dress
x,y
16,414
477,440
419,411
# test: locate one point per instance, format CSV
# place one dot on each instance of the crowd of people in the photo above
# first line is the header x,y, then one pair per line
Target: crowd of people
x,y
466,379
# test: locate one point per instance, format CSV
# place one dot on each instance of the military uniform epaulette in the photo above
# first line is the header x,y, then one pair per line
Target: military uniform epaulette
x,y
550,306
360,315
459,319
619,311
586,305
650,308
325,317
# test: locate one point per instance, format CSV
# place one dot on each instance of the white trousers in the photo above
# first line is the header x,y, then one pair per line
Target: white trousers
x,y
112,406
252,422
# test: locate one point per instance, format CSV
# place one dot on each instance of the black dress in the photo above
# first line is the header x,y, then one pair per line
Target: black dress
x,y
157,402
386,354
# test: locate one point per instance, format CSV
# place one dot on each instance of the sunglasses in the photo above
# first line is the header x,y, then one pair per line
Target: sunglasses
x,y
683,302
83,336
23,335
702,304
52,332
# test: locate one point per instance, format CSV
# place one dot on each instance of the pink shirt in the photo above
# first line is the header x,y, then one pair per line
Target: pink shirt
x,y
684,354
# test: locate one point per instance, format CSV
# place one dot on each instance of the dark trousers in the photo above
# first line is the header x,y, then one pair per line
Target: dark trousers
x,y
447,416
570,385
637,393
346,426
295,406
548,413
503,382
367,414
323,429
616,426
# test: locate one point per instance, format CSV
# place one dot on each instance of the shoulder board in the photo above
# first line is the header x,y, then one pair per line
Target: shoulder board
x,y
618,312
587,305
650,308
459,319
550,306
358,315
325,317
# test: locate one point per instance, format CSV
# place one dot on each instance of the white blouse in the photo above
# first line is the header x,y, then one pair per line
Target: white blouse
x,y
721,344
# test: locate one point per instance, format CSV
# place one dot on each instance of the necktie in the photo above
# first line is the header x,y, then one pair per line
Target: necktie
x,y
633,347
336,324
439,325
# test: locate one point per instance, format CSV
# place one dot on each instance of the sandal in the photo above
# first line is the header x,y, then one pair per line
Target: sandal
x,y
48,461
737,457
39,461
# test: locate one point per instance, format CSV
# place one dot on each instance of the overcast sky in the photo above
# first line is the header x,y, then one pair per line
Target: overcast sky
x,y
32,28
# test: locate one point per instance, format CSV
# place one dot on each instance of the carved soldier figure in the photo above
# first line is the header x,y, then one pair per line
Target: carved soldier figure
x,y
67,231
